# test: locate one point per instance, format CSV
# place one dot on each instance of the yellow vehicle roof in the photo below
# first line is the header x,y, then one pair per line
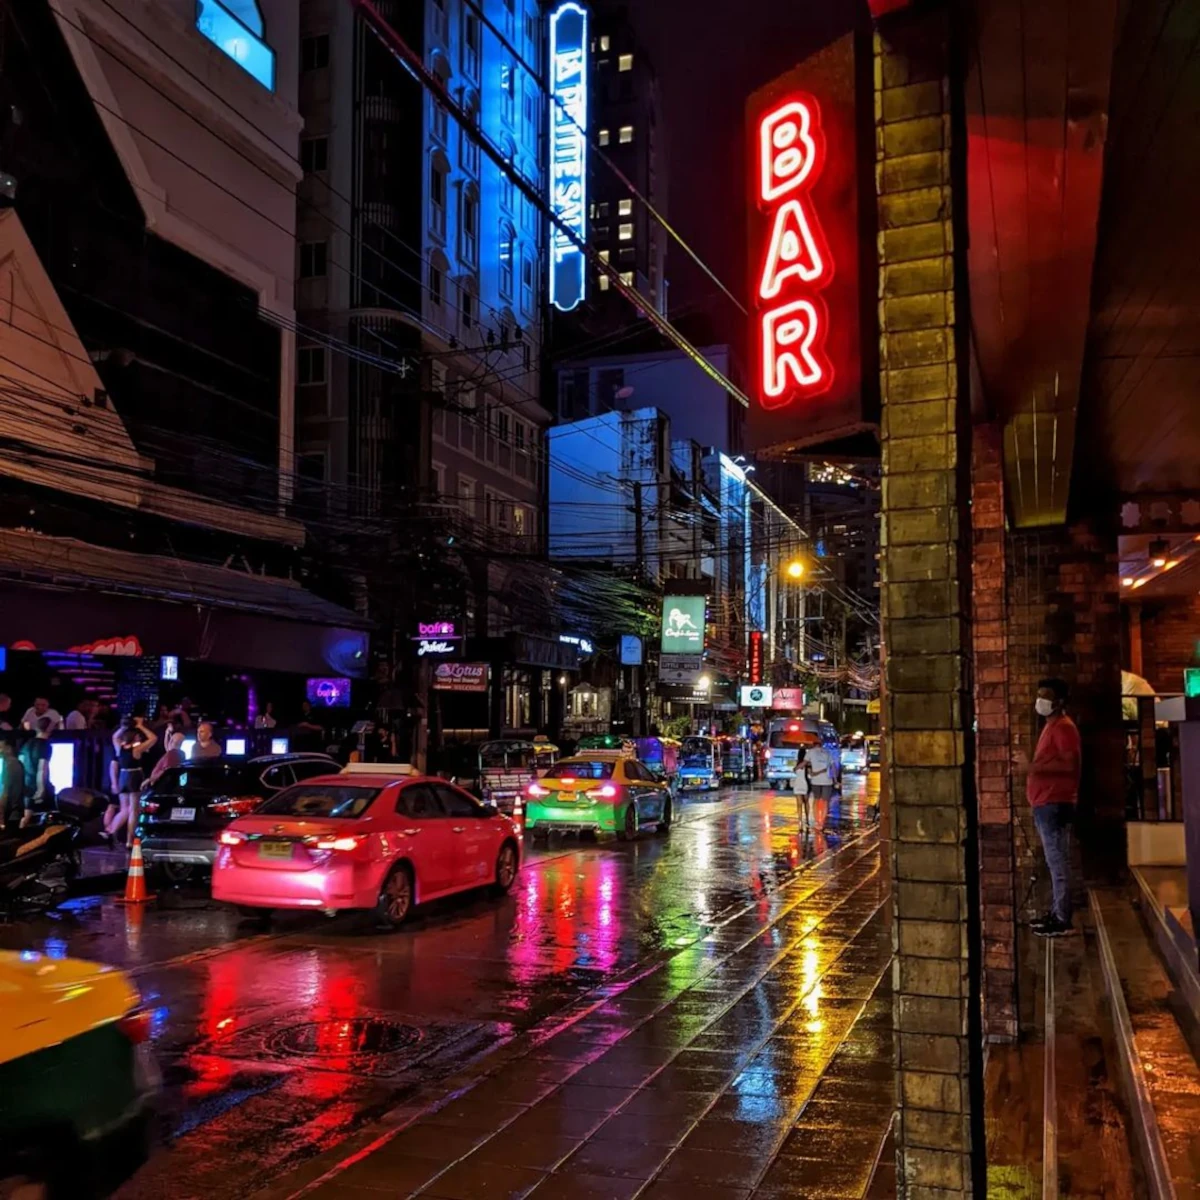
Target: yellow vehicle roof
x,y
45,1001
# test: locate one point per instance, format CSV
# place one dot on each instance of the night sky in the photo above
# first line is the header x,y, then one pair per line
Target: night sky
x,y
710,55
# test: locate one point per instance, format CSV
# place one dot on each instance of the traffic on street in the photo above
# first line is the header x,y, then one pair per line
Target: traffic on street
x,y
280,1044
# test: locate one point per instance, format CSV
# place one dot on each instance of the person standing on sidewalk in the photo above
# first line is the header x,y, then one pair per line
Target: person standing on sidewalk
x,y
1052,787
800,785
820,778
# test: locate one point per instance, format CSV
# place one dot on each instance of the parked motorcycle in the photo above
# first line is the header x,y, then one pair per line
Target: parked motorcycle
x,y
39,863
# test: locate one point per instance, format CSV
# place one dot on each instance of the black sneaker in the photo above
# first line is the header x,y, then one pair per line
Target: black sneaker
x,y
1054,928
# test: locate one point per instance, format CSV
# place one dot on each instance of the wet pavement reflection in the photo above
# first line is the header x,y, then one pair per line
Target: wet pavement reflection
x,y
663,1014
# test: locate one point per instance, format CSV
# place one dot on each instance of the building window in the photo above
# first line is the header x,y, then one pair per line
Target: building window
x,y
469,241
625,62
519,523
310,365
604,254
627,278
437,284
527,289
530,103
440,118
599,233
508,89
440,24
502,426
470,147
605,41
312,260
625,232
311,492
604,283
602,210
314,155
625,135
236,29
466,496
470,308
624,208
628,254
314,52
532,38
519,434
602,137
508,237
471,44
437,198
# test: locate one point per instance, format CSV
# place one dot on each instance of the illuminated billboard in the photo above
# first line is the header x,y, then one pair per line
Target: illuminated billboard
x,y
568,154
683,624
810,204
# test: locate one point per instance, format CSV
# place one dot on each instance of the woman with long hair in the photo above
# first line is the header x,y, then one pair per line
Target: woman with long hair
x,y
132,739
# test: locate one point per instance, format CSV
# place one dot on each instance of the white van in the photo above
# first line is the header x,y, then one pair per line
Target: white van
x,y
785,736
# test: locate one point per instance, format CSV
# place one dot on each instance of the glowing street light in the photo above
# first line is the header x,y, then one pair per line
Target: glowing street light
x,y
794,569
704,683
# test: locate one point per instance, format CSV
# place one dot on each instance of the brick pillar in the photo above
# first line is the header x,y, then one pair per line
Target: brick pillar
x,y
925,579
993,774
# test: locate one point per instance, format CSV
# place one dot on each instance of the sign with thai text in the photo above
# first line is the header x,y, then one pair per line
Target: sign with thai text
x,y
460,677
756,656
568,153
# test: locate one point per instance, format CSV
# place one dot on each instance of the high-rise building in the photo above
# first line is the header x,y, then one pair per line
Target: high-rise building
x,y
422,246
624,126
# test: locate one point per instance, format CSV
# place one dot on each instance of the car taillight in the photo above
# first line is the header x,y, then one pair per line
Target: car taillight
x,y
236,806
149,806
136,1026
536,789
341,843
230,837
607,790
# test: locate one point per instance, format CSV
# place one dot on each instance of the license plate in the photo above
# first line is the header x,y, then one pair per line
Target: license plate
x,y
274,849
183,814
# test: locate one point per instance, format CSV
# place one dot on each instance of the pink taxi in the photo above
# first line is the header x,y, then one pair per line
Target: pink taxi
x,y
369,838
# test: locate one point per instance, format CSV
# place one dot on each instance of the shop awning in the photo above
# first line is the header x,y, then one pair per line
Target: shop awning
x,y
63,594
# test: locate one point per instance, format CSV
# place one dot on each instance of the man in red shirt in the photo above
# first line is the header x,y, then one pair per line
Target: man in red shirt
x,y
1053,790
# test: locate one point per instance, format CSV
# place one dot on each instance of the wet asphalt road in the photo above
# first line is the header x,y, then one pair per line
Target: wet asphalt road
x,y
276,1046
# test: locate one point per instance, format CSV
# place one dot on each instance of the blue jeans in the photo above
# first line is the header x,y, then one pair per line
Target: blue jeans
x,y
1054,827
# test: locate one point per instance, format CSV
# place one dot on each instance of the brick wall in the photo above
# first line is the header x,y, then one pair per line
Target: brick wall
x,y
993,773
925,437
1170,637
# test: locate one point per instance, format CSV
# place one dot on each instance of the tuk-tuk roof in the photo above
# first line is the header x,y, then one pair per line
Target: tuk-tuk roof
x,y
514,743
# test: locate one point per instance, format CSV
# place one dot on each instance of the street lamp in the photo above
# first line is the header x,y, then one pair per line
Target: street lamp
x,y
794,569
704,683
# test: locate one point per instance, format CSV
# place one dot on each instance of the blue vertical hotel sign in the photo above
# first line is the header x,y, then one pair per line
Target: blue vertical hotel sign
x,y
568,153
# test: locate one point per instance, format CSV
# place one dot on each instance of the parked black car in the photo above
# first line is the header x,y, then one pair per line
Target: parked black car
x,y
188,806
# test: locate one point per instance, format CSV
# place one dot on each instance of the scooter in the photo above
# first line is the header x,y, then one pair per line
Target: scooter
x,y
39,863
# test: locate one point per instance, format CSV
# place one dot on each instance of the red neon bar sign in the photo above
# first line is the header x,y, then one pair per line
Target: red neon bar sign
x,y
792,318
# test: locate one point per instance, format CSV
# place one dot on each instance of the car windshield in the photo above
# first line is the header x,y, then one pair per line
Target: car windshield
x,y
697,752
506,754
202,777
320,800
581,770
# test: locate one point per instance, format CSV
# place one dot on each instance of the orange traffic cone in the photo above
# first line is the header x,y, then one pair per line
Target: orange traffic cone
x,y
135,881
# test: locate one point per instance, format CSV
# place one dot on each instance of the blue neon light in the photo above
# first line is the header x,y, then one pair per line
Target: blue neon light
x,y
568,153
232,36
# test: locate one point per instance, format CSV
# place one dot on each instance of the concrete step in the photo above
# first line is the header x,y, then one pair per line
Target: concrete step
x,y
1153,1029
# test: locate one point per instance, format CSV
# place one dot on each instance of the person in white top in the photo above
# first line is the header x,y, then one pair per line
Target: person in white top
x,y
36,711
802,788
81,715
820,775
266,718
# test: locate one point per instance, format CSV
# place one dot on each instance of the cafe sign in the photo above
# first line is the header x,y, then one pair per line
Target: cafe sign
x,y
437,638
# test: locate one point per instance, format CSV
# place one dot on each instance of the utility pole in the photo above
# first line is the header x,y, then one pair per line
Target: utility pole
x,y
639,567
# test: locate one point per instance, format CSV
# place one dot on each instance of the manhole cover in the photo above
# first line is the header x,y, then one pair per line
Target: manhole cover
x,y
344,1039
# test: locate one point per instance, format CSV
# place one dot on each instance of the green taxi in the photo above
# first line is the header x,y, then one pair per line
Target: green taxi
x,y
598,792
77,1081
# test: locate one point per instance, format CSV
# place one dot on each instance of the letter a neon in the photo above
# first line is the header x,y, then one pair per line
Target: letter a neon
x,y
793,251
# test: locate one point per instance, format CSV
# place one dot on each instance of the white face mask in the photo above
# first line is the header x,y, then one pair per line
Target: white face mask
x,y
1044,707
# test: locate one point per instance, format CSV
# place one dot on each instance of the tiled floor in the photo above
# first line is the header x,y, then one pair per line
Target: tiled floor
x,y
758,1064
